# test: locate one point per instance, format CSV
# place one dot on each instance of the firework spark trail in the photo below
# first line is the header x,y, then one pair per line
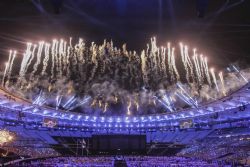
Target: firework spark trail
x,y
214,79
37,99
137,105
80,51
53,57
143,67
185,62
197,69
84,101
39,55
10,66
93,53
60,56
163,62
170,67
32,58
174,65
187,99
100,54
189,63
68,104
147,52
65,61
93,103
202,67
69,101
116,99
222,83
105,107
154,102
42,101
56,56
100,103
5,71
29,56
185,96
128,108
25,60
70,42
58,101
46,58
152,54
7,67
207,72
68,62
159,59
169,102
238,71
166,102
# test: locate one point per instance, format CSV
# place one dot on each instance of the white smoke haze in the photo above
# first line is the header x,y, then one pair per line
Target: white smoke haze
x,y
105,80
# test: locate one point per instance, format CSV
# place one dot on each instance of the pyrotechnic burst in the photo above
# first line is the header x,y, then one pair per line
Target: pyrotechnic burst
x,y
104,79
5,137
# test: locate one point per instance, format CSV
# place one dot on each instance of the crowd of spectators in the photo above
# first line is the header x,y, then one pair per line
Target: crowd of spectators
x,y
131,161
32,151
163,161
225,150
69,162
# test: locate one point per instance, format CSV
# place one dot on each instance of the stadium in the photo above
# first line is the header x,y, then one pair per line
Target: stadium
x,y
67,101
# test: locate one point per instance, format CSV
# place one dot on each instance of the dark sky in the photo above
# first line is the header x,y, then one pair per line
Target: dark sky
x,y
223,34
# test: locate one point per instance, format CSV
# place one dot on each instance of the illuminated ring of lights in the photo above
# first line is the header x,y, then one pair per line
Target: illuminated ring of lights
x,y
236,99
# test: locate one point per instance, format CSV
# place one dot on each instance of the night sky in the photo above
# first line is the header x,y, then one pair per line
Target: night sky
x,y
223,34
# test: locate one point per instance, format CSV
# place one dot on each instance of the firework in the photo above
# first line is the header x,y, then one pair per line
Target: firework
x,y
128,108
70,73
5,137
222,83
214,79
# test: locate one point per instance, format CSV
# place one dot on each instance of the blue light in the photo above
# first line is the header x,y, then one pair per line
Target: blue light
x,y
79,117
45,112
127,120
111,119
